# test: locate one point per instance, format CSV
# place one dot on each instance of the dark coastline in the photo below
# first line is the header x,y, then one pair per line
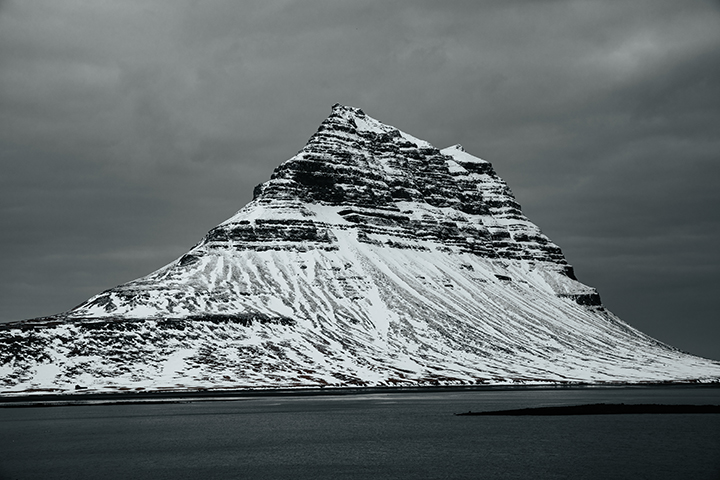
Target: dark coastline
x,y
600,409
208,395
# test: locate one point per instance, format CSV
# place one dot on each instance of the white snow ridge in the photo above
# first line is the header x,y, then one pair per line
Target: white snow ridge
x,y
370,258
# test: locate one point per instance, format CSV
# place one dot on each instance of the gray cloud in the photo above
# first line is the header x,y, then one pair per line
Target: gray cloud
x,y
131,128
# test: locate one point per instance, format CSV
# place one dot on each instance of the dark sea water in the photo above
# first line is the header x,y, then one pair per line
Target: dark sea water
x,y
366,436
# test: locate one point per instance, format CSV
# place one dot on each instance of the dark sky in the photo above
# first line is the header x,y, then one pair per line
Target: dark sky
x,y
129,129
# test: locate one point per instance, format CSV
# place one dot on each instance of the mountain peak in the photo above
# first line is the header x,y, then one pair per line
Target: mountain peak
x,y
347,109
451,197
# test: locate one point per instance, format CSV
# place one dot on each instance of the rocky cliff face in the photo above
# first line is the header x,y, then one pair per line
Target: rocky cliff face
x,y
369,258
389,183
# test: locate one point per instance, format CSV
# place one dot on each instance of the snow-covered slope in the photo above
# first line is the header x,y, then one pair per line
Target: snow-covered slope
x,y
369,258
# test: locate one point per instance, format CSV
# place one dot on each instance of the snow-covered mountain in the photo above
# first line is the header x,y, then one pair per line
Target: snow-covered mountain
x,y
369,258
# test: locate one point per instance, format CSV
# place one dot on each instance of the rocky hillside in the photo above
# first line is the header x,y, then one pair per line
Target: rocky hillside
x,y
369,258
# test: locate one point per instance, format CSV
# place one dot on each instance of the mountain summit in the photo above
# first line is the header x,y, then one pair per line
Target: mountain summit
x,y
369,258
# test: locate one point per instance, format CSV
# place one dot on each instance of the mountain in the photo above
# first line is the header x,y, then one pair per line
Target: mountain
x,y
369,258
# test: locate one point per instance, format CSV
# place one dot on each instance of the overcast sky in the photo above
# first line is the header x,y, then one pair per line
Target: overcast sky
x,y
130,128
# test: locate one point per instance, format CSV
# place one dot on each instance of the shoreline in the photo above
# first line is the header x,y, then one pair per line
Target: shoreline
x,y
600,409
209,395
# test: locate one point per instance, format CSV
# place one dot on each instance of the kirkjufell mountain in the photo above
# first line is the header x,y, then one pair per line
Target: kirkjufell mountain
x,y
370,258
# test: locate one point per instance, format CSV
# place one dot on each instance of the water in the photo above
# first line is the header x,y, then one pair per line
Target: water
x,y
374,436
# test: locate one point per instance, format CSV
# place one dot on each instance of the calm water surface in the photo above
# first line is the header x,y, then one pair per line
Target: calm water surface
x,y
372,436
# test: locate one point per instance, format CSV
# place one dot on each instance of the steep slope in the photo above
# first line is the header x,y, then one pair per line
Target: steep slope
x,y
369,258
